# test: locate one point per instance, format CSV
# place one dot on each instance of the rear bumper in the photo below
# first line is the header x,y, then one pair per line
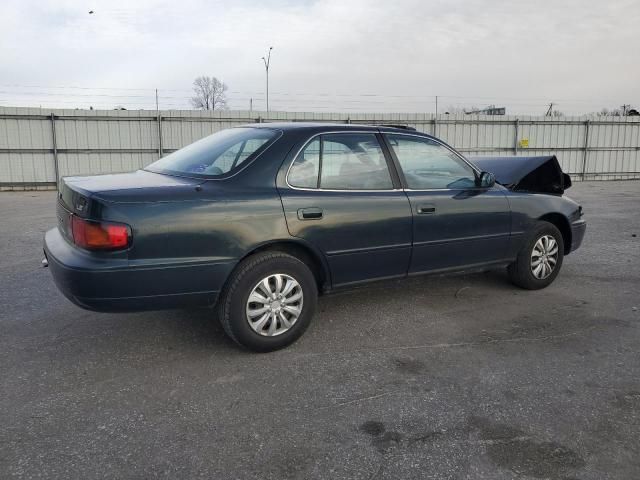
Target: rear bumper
x,y
111,285
578,229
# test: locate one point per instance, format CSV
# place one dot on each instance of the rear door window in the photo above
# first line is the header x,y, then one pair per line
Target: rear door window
x,y
304,171
342,161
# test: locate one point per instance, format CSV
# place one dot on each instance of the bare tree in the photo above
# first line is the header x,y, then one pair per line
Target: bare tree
x,y
209,94
614,112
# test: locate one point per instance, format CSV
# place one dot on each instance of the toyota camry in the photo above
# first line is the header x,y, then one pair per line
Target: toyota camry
x,y
259,220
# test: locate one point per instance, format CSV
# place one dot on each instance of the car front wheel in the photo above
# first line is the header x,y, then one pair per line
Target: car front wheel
x,y
268,301
540,259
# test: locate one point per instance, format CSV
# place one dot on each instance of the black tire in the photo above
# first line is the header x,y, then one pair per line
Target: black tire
x,y
233,299
520,271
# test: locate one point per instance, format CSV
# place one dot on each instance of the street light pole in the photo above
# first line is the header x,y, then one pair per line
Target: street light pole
x,y
267,61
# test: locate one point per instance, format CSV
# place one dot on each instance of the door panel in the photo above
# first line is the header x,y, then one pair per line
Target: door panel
x,y
459,228
455,223
364,235
340,197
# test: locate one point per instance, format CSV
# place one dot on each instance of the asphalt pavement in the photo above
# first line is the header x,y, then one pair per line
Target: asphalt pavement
x,y
459,377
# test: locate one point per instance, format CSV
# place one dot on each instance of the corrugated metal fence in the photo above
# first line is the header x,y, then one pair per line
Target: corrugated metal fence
x,y
37,147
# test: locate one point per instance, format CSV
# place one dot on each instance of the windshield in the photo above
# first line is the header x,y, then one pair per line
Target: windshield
x,y
217,154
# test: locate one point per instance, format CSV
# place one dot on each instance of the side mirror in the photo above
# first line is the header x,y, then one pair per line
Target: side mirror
x,y
486,180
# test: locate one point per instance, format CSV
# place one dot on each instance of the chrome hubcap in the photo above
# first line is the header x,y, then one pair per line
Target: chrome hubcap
x,y
544,257
274,305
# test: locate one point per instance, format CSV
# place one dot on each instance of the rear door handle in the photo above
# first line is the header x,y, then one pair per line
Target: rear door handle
x,y
426,209
311,213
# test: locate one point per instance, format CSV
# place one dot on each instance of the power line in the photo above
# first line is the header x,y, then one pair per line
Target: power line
x,y
378,100
321,94
134,98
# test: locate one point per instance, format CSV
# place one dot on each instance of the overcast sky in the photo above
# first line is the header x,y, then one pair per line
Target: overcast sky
x,y
329,55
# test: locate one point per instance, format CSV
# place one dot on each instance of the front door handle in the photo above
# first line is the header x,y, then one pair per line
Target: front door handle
x,y
311,213
426,209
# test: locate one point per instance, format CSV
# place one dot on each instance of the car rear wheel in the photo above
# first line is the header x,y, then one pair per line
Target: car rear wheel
x,y
268,301
540,259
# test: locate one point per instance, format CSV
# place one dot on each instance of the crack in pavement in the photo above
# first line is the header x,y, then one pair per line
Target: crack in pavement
x,y
357,400
451,345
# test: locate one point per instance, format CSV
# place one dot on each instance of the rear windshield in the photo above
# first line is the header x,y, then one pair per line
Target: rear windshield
x,y
217,155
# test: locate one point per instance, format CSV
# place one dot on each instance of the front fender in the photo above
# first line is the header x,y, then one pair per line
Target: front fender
x,y
529,208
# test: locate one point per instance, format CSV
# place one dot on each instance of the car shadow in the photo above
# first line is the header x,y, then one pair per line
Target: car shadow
x,y
198,331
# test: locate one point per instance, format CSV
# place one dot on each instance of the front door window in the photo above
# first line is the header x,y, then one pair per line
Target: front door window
x,y
428,165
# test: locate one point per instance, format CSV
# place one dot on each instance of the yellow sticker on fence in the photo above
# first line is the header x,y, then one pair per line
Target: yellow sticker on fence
x,y
524,143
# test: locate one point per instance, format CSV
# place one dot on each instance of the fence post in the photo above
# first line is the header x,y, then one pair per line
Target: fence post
x,y
55,149
515,136
159,119
586,149
435,125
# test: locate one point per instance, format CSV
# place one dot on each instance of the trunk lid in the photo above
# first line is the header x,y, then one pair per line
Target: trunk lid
x,y
139,186
97,197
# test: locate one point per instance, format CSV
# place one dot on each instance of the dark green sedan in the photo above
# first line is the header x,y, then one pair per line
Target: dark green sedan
x,y
259,220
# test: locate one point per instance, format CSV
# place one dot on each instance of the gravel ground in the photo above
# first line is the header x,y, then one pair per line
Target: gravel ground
x,y
461,377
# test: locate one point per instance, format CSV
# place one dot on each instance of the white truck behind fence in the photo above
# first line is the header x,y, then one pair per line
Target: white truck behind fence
x,y
39,146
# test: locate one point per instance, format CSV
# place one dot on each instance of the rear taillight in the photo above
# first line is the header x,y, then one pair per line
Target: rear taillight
x,y
100,235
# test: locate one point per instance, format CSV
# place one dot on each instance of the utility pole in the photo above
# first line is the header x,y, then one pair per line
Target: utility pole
x,y
436,104
251,106
159,120
624,110
548,114
267,61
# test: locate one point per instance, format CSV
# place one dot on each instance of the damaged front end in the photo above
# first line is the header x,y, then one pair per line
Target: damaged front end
x,y
527,174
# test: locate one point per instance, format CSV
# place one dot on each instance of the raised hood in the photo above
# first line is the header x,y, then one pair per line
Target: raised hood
x,y
527,174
